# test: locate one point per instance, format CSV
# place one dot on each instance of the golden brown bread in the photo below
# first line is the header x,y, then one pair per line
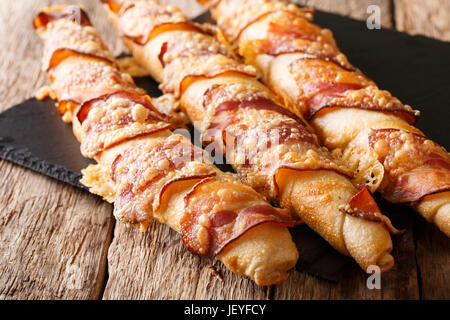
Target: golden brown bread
x,y
224,101
371,131
149,172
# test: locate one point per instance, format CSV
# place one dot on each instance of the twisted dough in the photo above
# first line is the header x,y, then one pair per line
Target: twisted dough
x,y
146,170
371,131
238,116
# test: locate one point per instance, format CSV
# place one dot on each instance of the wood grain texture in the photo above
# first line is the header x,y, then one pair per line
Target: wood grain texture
x,y
433,256
55,240
399,283
156,265
430,18
356,9
53,237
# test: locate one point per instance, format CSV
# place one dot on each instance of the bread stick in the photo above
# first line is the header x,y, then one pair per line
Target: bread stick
x,y
239,116
146,170
369,129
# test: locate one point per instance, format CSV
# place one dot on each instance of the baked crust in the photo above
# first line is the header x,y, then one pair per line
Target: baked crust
x,y
356,120
270,148
149,172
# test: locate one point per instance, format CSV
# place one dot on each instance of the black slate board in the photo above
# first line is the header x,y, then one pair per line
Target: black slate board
x,y
413,68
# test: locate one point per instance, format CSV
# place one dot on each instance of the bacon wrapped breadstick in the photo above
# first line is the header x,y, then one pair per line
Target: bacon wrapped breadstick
x,y
268,146
146,170
370,130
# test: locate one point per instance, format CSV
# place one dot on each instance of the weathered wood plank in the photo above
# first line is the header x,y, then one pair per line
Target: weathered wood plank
x,y
430,18
433,256
399,283
156,265
402,282
356,9
53,237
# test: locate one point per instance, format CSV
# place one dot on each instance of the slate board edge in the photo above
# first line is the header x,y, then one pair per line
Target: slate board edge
x,y
23,157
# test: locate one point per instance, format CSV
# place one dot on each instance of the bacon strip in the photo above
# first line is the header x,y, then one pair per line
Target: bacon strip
x,y
207,231
295,34
60,54
259,103
165,189
132,96
65,39
191,44
325,84
284,132
112,119
364,206
148,22
247,13
259,137
253,149
193,55
416,166
69,13
337,95
227,100
88,80
142,171
179,73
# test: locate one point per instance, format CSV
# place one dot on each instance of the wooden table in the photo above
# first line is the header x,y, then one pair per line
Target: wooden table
x,y
57,242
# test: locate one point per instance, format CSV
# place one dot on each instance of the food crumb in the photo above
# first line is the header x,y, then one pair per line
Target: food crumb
x,y
215,273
